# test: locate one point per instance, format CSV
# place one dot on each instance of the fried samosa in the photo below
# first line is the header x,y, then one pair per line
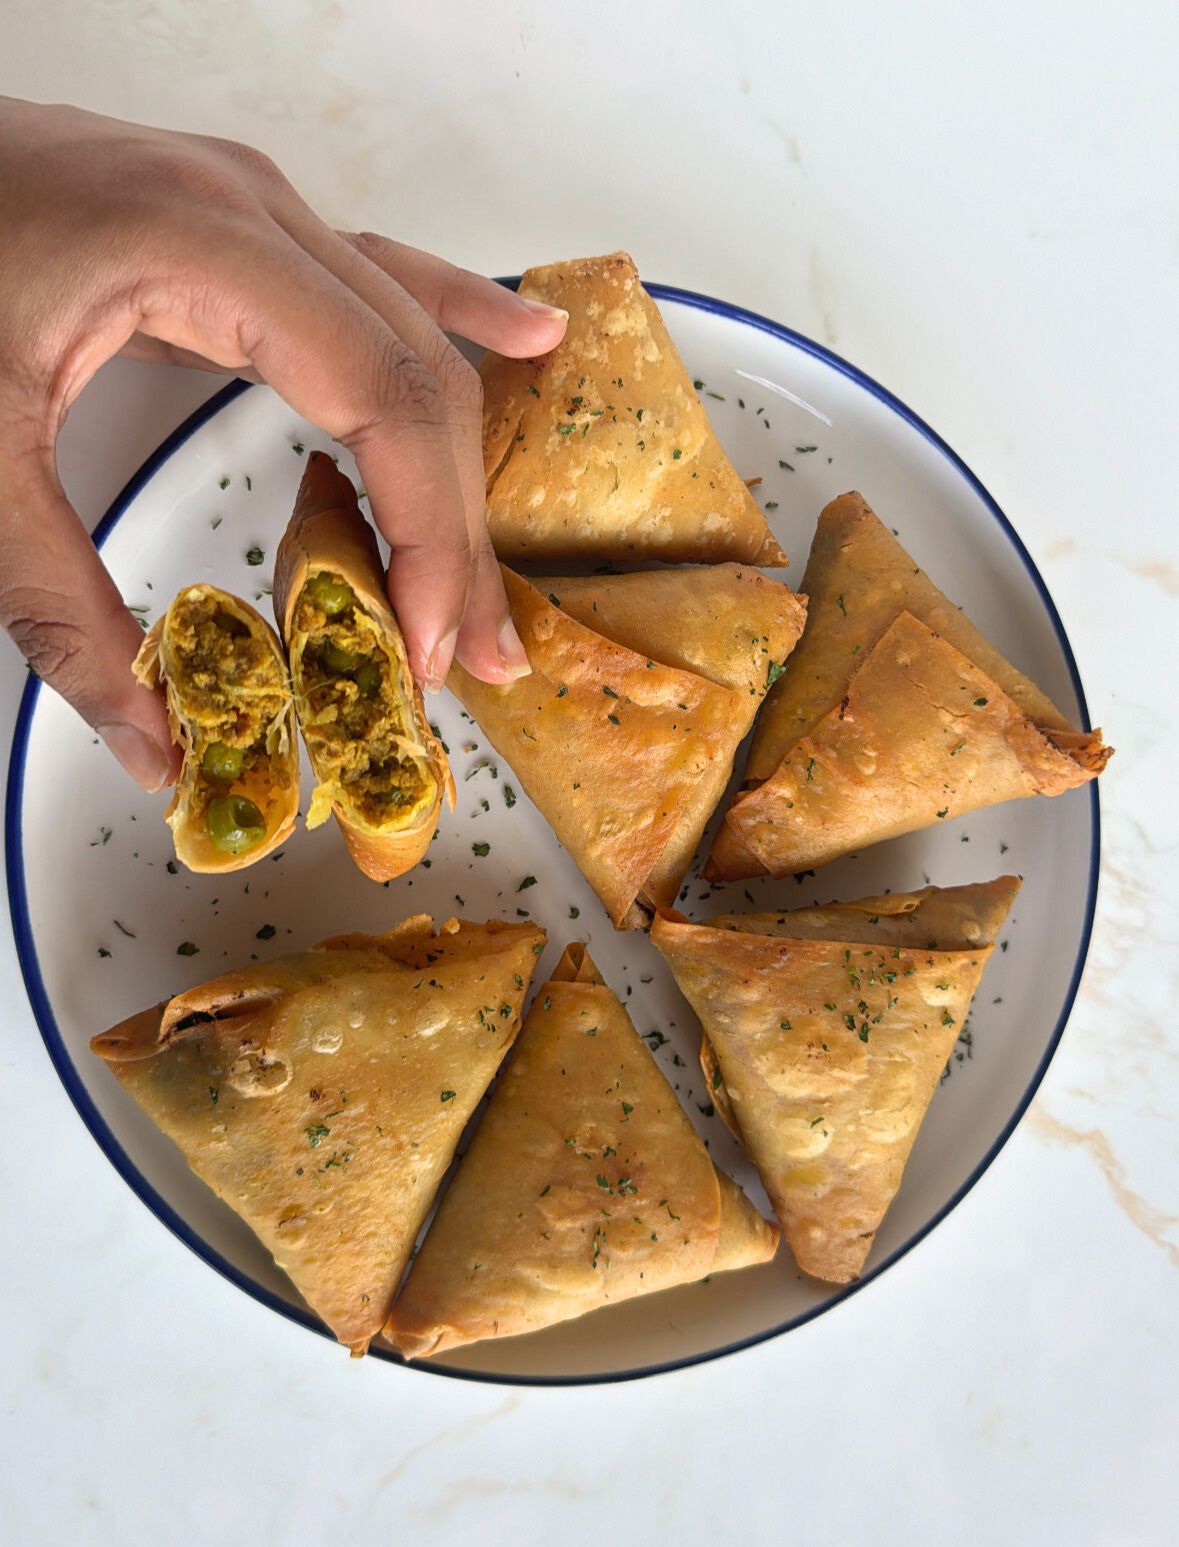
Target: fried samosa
x,y
585,1184
381,771
601,449
230,711
825,1032
322,1095
893,714
642,687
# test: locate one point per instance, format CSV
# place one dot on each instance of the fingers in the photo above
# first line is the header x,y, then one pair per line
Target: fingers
x,y
486,643
465,303
65,615
252,296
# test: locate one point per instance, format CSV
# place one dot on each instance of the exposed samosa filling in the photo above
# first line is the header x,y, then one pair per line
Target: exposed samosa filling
x,y
355,717
233,696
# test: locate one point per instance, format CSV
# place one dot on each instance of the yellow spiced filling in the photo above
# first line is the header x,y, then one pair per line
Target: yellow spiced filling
x,y
356,720
232,693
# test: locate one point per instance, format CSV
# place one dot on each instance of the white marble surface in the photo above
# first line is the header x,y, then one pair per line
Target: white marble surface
x,y
978,207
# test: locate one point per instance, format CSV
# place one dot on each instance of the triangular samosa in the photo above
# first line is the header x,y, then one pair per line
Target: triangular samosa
x,y
322,1095
893,714
601,449
380,769
825,1032
627,746
230,711
585,1184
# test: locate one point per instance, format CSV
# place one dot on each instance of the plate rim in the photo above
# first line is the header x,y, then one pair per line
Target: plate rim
x,y
101,1131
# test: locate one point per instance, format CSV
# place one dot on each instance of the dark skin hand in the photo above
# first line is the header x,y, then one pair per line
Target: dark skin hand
x,y
120,239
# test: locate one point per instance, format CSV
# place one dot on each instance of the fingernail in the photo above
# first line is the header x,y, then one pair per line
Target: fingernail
x,y
512,655
144,759
439,662
539,309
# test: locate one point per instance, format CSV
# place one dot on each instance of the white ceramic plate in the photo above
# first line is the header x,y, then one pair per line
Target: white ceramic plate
x,y
98,915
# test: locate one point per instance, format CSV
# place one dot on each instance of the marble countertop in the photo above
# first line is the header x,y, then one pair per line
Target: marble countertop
x,y
969,206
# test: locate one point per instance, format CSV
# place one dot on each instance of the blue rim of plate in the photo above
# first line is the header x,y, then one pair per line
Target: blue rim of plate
x,y
62,1062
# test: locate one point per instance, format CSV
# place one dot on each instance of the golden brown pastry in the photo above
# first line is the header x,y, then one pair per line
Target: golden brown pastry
x,y
893,714
321,1095
381,770
601,449
230,710
584,1185
825,1032
626,747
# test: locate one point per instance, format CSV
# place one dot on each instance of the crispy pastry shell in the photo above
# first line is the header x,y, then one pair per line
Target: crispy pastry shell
x,y
275,790
581,1121
327,532
601,449
824,1034
893,713
624,754
321,1095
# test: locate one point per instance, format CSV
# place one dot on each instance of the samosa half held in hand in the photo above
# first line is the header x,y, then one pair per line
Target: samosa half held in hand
x,y
825,1032
584,1185
601,449
322,1095
642,687
230,710
893,714
380,769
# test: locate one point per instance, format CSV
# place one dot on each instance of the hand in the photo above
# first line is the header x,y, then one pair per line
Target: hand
x,y
122,239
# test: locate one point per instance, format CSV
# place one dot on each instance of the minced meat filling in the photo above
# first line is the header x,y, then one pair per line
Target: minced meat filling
x,y
229,681
354,725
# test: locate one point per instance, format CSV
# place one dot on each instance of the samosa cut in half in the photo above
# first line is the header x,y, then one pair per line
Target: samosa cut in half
x,y
230,711
893,714
642,687
825,1033
321,1095
601,450
381,771
585,1185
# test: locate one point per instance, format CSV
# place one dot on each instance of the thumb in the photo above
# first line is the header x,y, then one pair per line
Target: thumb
x,y
66,617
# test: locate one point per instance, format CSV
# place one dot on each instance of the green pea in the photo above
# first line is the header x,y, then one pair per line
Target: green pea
x,y
235,824
332,595
340,660
368,679
221,763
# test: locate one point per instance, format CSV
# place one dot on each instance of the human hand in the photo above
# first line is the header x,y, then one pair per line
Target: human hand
x,y
120,239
